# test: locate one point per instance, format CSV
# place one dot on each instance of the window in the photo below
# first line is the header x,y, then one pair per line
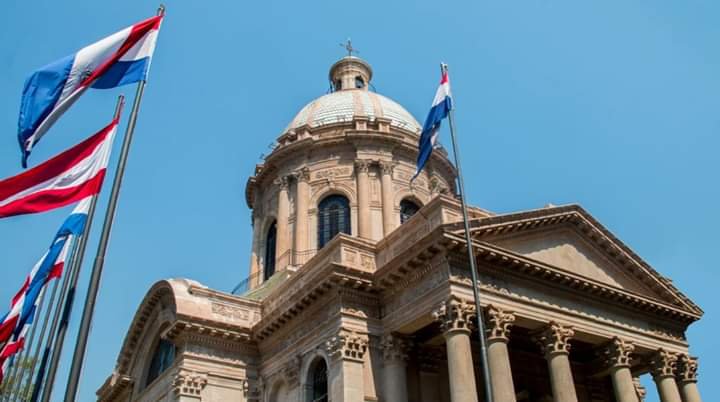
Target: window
x,y
319,382
333,218
407,209
359,82
162,359
270,242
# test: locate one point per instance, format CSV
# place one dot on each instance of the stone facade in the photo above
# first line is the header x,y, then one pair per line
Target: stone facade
x,y
387,312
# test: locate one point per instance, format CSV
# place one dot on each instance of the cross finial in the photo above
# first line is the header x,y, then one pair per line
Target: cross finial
x,y
349,47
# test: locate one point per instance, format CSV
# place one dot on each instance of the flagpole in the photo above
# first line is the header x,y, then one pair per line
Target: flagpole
x,y
94,286
471,256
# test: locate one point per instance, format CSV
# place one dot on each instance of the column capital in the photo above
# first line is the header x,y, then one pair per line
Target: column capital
x,y
617,353
188,383
499,323
395,348
347,345
687,367
362,165
302,174
282,182
554,339
455,315
387,167
663,364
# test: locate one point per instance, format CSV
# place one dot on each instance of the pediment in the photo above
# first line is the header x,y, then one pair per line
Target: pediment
x,y
566,249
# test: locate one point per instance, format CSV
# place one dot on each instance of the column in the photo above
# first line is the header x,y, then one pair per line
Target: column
x,y
283,214
687,378
302,196
255,275
345,373
363,198
455,318
663,371
498,332
555,344
617,357
388,197
395,374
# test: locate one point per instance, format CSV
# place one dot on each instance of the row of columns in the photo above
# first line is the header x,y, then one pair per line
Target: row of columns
x,y
456,319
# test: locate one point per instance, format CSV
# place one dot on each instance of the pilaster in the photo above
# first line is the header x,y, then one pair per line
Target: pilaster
x,y
346,351
283,216
362,168
302,198
388,197
188,385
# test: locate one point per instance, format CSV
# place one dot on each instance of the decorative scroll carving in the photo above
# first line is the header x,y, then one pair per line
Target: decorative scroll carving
x,y
395,348
188,383
387,167
617,353
347,345
640,391
362,166
499,323
663,364
687,367
333,172
282,182
303,174
553,339
455,314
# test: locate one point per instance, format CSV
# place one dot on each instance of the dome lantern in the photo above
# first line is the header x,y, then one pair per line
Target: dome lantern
x,y
350,72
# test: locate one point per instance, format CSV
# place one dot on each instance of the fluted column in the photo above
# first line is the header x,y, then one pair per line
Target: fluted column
x,y
555,344
388,202
455,318
395,374
498,330
687,378
283,214
302,196
663,371
363,197
617,357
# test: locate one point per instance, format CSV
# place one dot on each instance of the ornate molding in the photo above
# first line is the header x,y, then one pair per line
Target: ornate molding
x,y
455,315
663,364
617,353
302,174
554,339
347,345
282,182
387,167
188,383
499,323
395,348
362,166
687,367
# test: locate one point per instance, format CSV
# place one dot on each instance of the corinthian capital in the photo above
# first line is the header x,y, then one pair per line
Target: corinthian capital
x,y
303,175
554,339
282,182
347,345
362,166
687,367
188,383
395,348
663,363
455,315
617,353
386,167
499,323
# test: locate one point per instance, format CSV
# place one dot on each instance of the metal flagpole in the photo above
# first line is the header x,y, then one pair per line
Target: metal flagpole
x,y
471,256
93,287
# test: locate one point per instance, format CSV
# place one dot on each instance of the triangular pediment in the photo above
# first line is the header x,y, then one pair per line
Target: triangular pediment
x,y
570,239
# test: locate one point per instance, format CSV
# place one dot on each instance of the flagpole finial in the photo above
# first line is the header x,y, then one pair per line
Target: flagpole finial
x,y
161,10
119,107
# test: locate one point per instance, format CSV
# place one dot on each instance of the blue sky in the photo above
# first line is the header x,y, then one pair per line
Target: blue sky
x,y
612,105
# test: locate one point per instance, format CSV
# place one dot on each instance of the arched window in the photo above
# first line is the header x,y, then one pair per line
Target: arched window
x,y
318,378
333,218
407,209
359,82
270,242
162,359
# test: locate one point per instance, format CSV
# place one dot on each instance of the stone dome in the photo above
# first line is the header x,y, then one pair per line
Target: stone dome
x,y
343,106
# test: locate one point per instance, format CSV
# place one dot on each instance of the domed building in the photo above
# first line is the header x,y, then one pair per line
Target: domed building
x,y
359,287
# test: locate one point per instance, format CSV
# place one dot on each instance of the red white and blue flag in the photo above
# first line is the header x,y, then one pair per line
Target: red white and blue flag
x,y
441,106
15,324
66,178
119,59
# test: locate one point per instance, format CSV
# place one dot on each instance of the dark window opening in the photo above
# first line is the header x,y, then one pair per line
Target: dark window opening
x,y
270,242
333,218
359,82
162,360
319,382
407,210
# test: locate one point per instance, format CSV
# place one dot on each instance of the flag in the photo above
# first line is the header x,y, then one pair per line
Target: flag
x,y
66,178
15,324
441,106
119,59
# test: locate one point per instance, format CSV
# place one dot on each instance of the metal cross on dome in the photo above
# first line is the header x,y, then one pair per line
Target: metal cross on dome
x,y
349,47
